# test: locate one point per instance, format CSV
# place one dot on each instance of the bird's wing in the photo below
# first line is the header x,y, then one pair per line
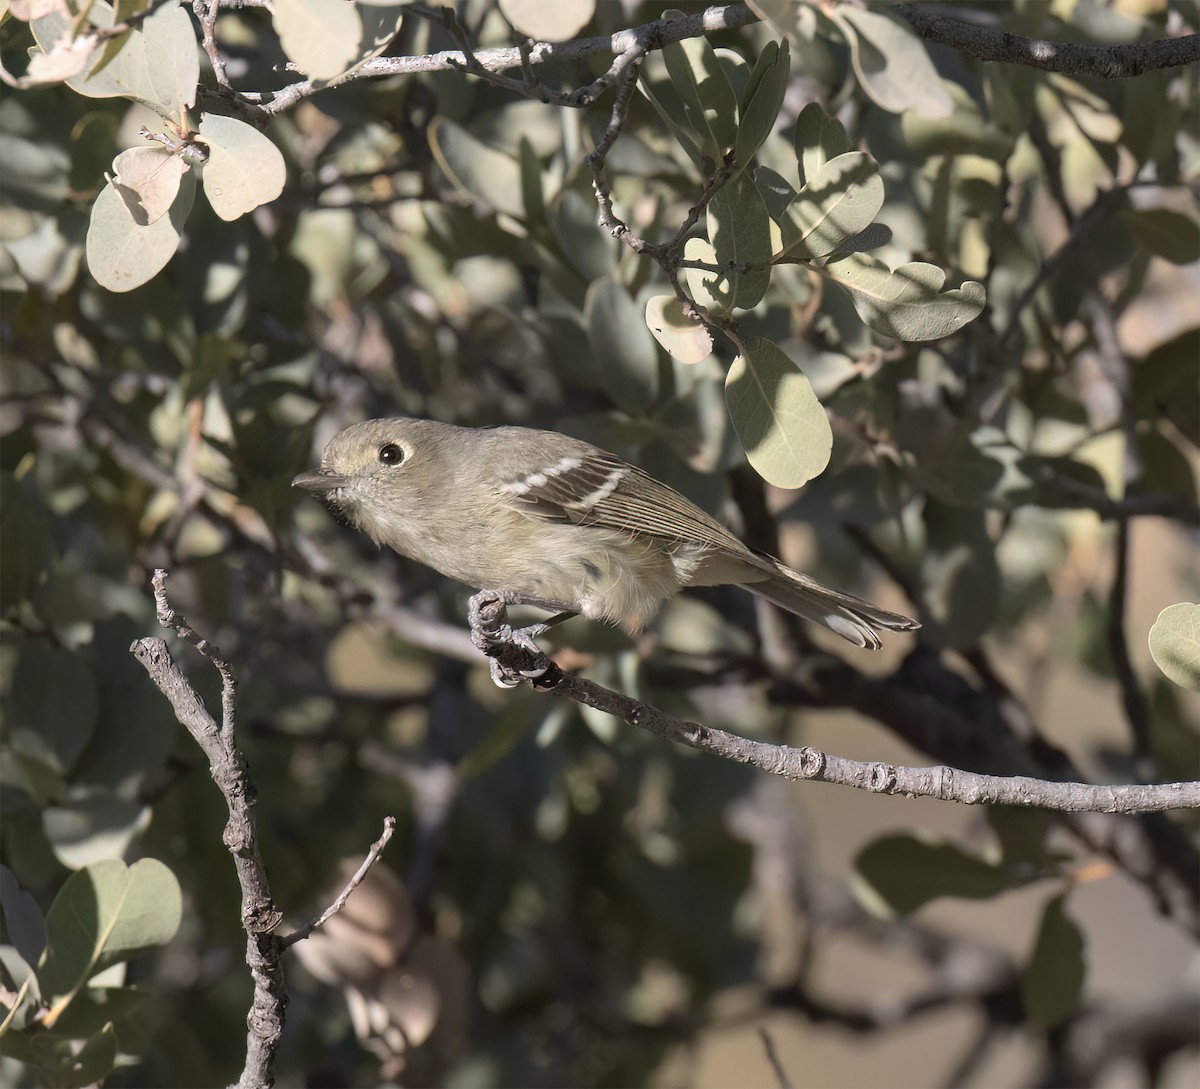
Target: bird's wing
x,y
599,489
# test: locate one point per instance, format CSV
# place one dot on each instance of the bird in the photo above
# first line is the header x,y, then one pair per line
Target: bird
x,y
556,522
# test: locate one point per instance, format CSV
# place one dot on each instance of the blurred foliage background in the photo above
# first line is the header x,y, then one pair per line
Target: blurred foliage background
x,y
568,901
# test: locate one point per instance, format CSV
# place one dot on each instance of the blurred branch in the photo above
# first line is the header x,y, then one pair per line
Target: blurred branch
x,y
1071,58
945,783
768,1043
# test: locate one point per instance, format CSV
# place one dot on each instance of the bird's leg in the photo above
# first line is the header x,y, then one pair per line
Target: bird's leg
x,y
488,617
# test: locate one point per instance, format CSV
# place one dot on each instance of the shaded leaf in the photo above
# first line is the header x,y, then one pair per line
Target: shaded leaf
x,y
778,418
960,574
90,829
898,873
1053,978
891,63
711,290
1167,234
622,345
707,98
244,168
121,253
908,303
739,229
818,139
684,338
1175,643
23,918
102,915
761,101
478,170
53,708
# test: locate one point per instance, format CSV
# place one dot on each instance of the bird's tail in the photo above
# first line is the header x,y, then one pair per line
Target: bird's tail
x,y
851,617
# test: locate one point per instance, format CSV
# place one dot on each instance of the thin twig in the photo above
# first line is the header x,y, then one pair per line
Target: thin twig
x,y
206,15
389,826
773,1058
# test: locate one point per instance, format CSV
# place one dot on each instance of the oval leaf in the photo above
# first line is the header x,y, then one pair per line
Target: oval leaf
x,y
762,101
898,873
840,200
891,63
622,346
477,169
1175,643
686,339
1053,978
122,254
909,303
777,416
740,231
708,102
244,168
548,22
712,290
321,37
819,138
101,916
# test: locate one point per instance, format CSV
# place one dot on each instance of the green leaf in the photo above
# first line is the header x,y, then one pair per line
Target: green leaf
x,y
90,829
1175,643
891,63
101,916
622,346
513,725
158,66
23,919
684,338
762,101
244,168
548,22
121,253
778,418
53,707
665,100
740,231
26,542
963,132
1164,383
819,138
321,37
707,97
94,1007
475,168
532,195
712,290
898,873
841,199
1167,234
909,303
960,574
1053,978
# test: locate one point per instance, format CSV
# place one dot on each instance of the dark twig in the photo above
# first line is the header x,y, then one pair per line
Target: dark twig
x,y
945,783
773,1058
1070,58
389,826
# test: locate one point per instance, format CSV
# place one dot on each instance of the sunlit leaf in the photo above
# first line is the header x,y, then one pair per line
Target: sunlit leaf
x,y
819,138
321,37
778,418
148,180
544,22
840,199
687,339
244,168
1175,643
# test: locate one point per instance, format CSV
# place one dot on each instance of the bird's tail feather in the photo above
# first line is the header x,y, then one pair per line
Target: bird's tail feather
x,y
850,617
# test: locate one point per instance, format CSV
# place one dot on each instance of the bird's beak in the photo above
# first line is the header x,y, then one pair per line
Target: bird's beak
x,y
320,481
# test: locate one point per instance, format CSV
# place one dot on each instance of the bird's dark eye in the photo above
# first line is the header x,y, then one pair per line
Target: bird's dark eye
x,y
391,454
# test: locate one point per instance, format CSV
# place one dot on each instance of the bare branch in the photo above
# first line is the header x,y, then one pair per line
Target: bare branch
x,y
945,783
389,826
1070,58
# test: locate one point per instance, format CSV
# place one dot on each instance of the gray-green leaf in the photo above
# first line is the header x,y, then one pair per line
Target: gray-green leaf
x,y
244,168
740,231
777,416
891,63
321,37
762,101
908,303
684,338
819,138
476,168
622,346
102,915
1175,643
841,199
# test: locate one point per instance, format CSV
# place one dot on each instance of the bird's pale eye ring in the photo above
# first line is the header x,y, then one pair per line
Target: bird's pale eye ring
x,y
391,454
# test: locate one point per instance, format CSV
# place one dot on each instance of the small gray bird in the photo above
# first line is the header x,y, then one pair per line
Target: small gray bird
x,y
557,522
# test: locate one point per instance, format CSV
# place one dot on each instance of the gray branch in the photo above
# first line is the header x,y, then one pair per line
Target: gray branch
x,y
1070,58
948,784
